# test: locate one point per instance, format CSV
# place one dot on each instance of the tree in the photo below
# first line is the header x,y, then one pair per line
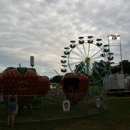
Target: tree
x,y
117,68
56,79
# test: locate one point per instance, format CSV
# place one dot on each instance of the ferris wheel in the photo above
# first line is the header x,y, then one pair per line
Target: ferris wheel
x,y
87,55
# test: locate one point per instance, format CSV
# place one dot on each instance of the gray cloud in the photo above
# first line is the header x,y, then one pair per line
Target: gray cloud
x,y
43,28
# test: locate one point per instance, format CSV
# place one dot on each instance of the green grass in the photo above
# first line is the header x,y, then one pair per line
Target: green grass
x,y
95,89
117,118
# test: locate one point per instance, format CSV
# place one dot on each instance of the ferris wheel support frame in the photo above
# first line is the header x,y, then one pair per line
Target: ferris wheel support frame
x,y
114,37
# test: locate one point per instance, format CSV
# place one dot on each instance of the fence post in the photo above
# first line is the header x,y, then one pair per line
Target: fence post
x,y
42,112
87,104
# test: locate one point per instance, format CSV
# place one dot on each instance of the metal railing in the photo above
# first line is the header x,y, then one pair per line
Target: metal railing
x,y
97,103
55,106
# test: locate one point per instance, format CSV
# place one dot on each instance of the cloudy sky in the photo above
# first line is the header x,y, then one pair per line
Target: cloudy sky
x,y
42,28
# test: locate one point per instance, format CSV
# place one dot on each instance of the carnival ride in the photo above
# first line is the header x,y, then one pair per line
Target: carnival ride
x,y
87,55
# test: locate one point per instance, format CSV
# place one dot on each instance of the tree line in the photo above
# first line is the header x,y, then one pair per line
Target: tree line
x,y
114,69
118,68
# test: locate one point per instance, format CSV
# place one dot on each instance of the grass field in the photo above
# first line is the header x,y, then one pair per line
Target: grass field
x,y
117,118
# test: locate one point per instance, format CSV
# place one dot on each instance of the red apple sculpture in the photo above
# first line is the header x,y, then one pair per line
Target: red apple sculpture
x,y
0,83
20,81
75,86
43,85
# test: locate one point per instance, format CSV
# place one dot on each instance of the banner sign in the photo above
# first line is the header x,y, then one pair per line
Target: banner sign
x,y
66,105
98,102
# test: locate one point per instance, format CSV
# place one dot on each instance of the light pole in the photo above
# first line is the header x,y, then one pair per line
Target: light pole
x,y
116,37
